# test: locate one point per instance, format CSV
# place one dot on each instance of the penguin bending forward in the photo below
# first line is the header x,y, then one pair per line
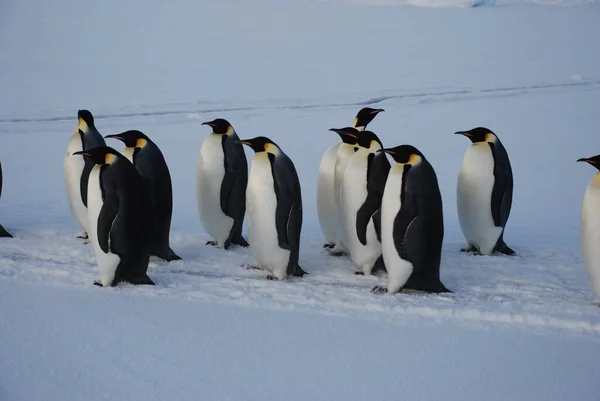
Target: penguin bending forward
x,y
412,224
77,169
326,199
221,185
150,163
274,210
3,232
362,188
120,218
590,227
484,193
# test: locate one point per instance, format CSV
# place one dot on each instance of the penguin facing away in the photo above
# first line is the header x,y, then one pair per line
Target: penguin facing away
x,y
120,218
590,228
3,232
77,169
150,163
274,210
484,193
348,146
221,185
361,188
326,203
412,224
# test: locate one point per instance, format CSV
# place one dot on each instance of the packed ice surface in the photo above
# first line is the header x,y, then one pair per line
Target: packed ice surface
x,y
522,327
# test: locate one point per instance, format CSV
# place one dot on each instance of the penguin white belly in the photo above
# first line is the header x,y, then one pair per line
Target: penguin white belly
x,y
344,153
474,197
107,262
261,204
326,206
590,233
211,171
73,166
355,192
399,270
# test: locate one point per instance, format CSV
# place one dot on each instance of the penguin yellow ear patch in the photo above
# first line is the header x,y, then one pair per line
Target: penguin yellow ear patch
x,y
489,137
229,130
355,121
109,158
414,159
140,143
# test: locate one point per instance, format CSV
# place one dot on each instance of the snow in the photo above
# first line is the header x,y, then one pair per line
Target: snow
x,y
522,327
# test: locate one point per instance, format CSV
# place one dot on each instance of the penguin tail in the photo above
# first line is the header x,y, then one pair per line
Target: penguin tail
x,y
4,233
239,240
298,272
504,249
140,280
171,256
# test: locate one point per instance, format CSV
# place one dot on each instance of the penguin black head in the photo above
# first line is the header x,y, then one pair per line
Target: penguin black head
x,y
479,134
366,139
131,139
86,116
219,126
594,161
261,144
405,154
365,116
349,135
100,155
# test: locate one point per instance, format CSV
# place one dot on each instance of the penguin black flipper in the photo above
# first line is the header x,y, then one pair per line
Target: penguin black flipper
x,y
0,180
502,190
378,168
288,213
106,218
3,232
233,186
85,175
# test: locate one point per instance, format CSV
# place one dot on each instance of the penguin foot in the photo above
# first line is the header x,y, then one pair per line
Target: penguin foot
x,y
379,290
328,245
98,283
338,253
84,236
5,234
213,243
271,277
470,248
359,273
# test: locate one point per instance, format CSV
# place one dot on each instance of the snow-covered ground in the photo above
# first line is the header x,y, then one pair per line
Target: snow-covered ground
x,y
519,327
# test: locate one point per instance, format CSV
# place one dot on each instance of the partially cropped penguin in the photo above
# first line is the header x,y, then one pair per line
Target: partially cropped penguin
x,y
590,227
326,203
412,224
151,164
484,193
120,217
362,187
221,185
274,210
348,146
77,169
3,232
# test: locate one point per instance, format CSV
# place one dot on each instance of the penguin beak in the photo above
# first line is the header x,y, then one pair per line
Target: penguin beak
x,y
245,143
465,133
339,131
115,136
585,159
388,151
82,153
209,123
376,111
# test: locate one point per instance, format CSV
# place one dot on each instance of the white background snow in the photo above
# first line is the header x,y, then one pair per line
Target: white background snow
x,y
521,328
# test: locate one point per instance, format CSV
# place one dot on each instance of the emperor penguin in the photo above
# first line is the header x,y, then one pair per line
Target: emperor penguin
x,y
221,185
150,163
120,218
362,187
274,209
412,224
348,146
326,203
77,169
590,227
3,232
484,193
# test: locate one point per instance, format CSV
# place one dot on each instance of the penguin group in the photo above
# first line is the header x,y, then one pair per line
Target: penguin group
x,y
386,217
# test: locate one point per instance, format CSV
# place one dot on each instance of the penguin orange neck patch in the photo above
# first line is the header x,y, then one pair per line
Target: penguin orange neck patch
x,y
140,143
109,158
